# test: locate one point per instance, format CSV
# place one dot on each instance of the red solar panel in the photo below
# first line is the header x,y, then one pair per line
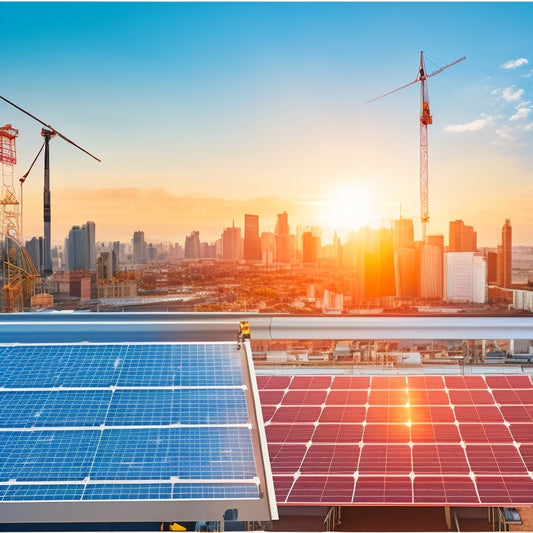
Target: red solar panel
x,y
430,433
455,490
425,382
281,433
428,397
343,415
286,458
338,433
335,490
273,382
503,396
388,382
446,459
347,397
305,397
311,382
386,433
526,451
501,490
268,412
282,487
466,397
485,433
383,459
270,397
296,414
400,440
331,459
498,459
482,413
504,382
386,414
522,433
378,489
384,397
465,382
351,382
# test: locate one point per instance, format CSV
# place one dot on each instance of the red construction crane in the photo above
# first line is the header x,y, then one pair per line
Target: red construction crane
x,y
425,119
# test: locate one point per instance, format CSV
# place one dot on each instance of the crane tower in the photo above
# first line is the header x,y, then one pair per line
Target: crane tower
x,y
9,203
425,120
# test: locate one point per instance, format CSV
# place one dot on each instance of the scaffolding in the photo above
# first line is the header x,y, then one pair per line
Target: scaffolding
x,y
18,274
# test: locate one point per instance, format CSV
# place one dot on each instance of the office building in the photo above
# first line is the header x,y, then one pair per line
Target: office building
x,y
462,238
311,244
139,248
252,243
505,259
465,277
232,243
282,239
431,272
403,233
192,246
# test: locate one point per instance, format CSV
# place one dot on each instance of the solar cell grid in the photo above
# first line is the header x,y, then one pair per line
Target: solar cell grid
x,y
351,382
426,437
91,422
326,490
497,490
280,433
331,459
374,489
305,397
286,458
485,433
504,382
310,382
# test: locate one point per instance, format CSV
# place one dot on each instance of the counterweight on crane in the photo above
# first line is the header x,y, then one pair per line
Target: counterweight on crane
x,y
425,119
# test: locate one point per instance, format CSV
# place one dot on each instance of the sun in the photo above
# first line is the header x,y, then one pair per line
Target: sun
x,y
349,208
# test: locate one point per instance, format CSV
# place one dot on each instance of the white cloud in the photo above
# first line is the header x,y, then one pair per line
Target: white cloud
x,y
514,63
528,127
520,114
505,132
475,125
510,94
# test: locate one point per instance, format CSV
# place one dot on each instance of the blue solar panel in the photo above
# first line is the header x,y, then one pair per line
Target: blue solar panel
x,y
87,422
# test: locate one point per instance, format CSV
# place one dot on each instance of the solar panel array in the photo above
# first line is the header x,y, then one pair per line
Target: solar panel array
x,y
433,440
89,422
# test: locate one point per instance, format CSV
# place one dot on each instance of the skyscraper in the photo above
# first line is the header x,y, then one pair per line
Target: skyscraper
x,y
505,258
232,243
252,243
76,249
462,238
465,277
192,246
89,229
139,247
283,241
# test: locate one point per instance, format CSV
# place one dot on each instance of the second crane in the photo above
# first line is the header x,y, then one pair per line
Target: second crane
x,y
425,119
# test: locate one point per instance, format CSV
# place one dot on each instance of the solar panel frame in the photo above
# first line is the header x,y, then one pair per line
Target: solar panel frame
x,y
108,441
427,450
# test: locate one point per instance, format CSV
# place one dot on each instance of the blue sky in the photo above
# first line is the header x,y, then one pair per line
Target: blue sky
x,y
201,112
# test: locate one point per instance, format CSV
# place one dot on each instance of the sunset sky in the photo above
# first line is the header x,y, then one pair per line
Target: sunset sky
x,y
202,112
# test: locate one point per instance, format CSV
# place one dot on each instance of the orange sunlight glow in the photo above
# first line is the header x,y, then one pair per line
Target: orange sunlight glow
x,y
349,208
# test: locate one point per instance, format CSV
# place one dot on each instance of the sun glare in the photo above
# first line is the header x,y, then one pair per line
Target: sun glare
x,y
349,209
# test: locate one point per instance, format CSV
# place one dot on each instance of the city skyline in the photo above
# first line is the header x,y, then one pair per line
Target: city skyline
x,y
258,108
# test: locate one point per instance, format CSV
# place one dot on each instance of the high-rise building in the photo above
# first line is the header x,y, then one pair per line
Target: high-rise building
x,y
139,247
405,272
252,243
90,245
232,243
192,246
462,238
76,249
34,247
104,266
431,272
465,277
403,233
505,257
311,244
267,247
282,239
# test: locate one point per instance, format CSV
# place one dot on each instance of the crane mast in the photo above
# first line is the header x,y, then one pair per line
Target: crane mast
x,y
425,119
